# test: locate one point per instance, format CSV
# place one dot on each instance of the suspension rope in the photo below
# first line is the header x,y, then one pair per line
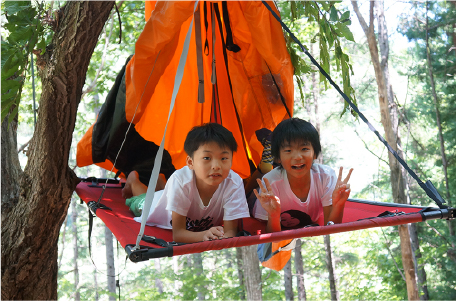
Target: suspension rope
x,y
429,188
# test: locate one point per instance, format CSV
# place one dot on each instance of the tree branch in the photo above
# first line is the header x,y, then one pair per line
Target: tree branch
x,y
103,58
365,145
392,257
360,17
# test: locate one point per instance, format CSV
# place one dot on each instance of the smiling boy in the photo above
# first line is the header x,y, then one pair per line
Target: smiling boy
x,y
204,195
299,184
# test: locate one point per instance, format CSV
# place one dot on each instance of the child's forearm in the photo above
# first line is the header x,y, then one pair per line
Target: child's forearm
x,y
336,214
185,236
273,224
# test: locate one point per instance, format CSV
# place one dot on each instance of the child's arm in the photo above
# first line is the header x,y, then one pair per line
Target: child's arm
x,y
271,204
230,228
341,192
181,234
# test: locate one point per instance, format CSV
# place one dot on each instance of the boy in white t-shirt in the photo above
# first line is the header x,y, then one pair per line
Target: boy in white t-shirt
x,y
298,191
203,195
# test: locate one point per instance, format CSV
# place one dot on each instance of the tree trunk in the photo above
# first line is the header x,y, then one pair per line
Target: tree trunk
x,y
240,269
299,267
198,267
439,125
11,169
95,284
158,282
389,121
330,266
74,229
110,267
31,230
419,268
288,281
252,273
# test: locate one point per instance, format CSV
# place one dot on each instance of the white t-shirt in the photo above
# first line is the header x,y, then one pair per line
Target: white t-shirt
x,y
296,214
181,196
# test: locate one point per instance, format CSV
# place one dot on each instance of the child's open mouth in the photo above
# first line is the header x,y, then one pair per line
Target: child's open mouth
x,y
297,166
216,175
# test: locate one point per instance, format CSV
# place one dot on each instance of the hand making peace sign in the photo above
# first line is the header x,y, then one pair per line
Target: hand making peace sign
x,y
267,199
342,190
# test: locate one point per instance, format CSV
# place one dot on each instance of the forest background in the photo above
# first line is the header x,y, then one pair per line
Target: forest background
x,y
357,265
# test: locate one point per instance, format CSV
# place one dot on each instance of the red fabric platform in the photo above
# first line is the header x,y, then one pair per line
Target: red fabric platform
x,y
120,222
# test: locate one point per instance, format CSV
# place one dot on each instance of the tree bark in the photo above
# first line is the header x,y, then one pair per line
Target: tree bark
x,y
330,266
299,267
240,270
288,281
252,273
31,230
420,272
74,229
158,282
95,284
110,267
390,125
198,267
11,168
439,124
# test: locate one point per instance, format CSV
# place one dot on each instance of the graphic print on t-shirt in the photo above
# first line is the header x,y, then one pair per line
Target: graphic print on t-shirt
x,y
199,225
294,219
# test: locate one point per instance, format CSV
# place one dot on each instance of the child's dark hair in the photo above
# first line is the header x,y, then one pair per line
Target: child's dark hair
x,y
291,130
206,133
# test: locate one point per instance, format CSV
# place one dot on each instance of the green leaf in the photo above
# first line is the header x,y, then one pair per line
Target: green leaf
x,y
32,42
8,72
333,16
41,45
11,85
21,35
345,15
13,114
299,81
13,7
345,32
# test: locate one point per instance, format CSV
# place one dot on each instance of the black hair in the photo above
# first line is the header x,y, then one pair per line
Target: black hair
x,y
291,130
206,133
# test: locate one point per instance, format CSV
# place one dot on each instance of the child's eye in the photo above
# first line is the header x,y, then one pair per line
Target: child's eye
x,y
224,158
287,150
206,158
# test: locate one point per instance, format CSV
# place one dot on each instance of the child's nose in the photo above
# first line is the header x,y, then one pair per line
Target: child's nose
x,y
298,155
215,164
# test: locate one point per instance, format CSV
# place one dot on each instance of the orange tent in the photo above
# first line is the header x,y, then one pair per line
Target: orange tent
x,y
238,73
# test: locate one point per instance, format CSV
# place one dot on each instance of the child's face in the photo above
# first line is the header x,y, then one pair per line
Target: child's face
x,y
296,158
211,164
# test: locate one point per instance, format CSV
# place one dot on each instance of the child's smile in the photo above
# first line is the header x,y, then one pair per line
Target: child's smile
x,y
297,158
298,166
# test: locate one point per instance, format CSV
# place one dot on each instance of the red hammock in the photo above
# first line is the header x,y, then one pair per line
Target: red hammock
x,y
358,214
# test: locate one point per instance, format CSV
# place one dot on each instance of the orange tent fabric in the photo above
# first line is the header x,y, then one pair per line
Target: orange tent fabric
x,y
253,89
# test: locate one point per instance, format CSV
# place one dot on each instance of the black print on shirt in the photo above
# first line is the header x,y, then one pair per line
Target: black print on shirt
x,y
294,219
199,225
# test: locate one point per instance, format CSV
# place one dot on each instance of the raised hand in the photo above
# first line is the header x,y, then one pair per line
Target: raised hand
x,y
267,199
342,190
213,233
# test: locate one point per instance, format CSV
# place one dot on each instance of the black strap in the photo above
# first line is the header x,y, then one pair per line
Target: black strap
x,y
160,242
229,35
206,25
93,206
429,188
225,57
280,93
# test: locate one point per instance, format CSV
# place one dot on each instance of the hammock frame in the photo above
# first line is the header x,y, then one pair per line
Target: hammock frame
x,y
158,243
